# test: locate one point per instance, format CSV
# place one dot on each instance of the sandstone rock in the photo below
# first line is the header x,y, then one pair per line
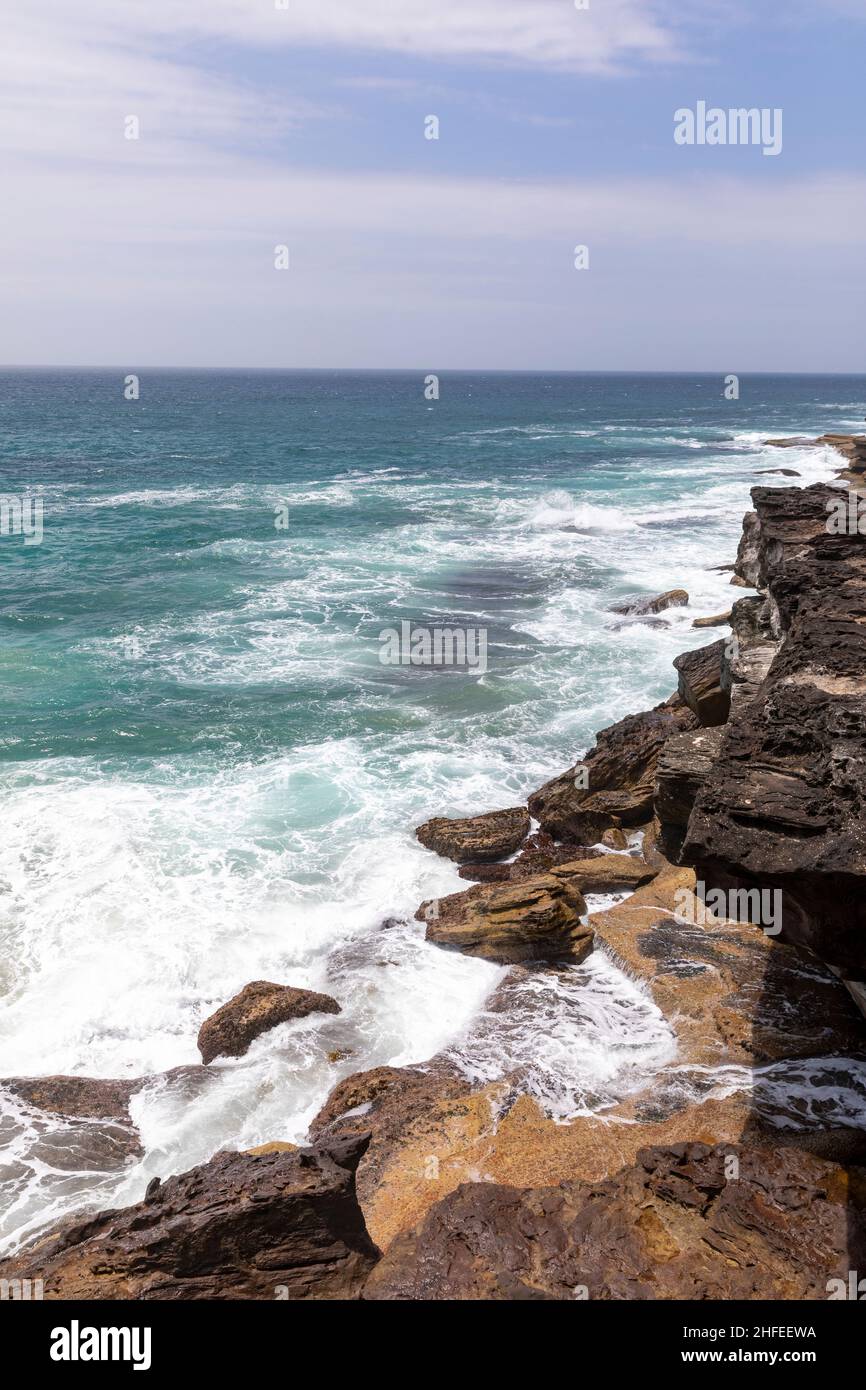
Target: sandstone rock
x,y
672,1226
234,1228
751,650
746,565
259,1007
538,919
683,767
620,771
608,873
733,994
717,620
657,603
476,839
540,853
614,839
783,806
700,684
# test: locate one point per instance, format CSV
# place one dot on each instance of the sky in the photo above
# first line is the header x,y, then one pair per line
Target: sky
x,y
301,124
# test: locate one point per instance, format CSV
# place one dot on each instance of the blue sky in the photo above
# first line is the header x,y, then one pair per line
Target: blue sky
x,y
304,126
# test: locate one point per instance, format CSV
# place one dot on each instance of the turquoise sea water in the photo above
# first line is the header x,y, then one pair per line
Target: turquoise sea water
x,y
208,776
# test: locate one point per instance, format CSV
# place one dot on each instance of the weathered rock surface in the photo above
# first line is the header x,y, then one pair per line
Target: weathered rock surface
x,y
700,683
234,1228
84,1097
783,807
539,854
716,620
476,839
620,774
259,1007
684,765
605,873
652,603
732,993
538,919
672,1226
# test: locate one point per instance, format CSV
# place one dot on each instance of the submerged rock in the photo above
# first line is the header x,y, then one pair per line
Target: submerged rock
x,y
259,1007
681,1223
476,839
242,1226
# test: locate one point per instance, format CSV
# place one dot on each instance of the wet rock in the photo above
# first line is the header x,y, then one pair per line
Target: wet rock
x,y
615,783
259,1007
476,839
540,853
732,993
677,1224
84,1097
615,839
653,603
538,919
238,1227
700,683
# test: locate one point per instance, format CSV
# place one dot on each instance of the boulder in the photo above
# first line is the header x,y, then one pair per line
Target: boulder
x,y
538,919
239,1227
642,604
608,873
476,839
614,785
259,1007
681,1223
700,683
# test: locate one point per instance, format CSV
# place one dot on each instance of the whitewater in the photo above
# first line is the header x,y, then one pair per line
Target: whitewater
x,y
209,777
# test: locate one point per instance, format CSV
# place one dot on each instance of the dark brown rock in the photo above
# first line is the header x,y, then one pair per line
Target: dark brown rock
x,y
238,1227
700,684
538,919
84,1097
783,806
476,839
620,776
259,1007
675,1225
684,765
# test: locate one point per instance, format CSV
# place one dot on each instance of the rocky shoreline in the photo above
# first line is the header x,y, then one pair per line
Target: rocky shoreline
x,y
734,1173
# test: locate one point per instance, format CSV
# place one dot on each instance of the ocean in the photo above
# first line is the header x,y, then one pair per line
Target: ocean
x,y
209,776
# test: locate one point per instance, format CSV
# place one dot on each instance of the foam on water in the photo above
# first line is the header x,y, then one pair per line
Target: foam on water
x,y
231,794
